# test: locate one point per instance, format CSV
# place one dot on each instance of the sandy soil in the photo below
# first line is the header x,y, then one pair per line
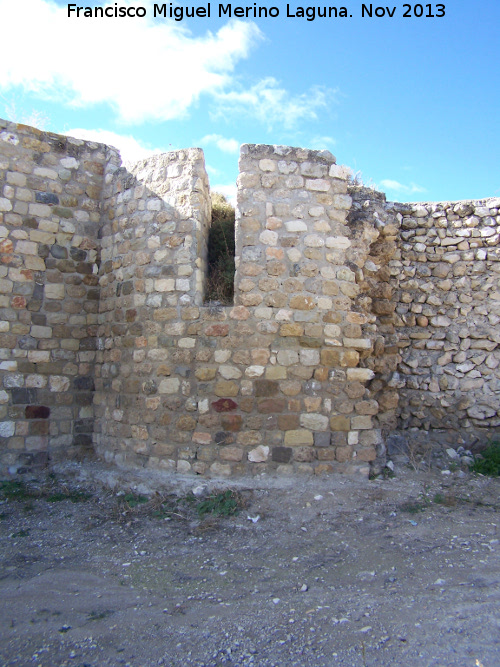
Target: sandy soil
x,y
335,571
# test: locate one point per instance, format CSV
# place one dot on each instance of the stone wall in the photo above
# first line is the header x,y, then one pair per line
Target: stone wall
x,y
275,381
154,234
448,314
50,192
354,319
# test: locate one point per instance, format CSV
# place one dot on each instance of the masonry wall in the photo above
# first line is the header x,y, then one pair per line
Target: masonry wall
x,y
50,190
356,321
448,316
275,382
156,219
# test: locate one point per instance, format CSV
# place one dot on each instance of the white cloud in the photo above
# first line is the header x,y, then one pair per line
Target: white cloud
x,y
130,149
212,171
229,191
273,105
395,186
320,143
223,144
145,69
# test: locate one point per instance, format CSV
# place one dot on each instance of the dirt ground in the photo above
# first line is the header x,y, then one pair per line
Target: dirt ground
x,y
334,571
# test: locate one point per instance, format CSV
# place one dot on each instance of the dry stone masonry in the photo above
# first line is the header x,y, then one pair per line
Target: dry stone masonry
x,y
448,316
356,322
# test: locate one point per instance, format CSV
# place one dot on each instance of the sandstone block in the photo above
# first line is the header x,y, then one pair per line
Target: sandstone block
x,y
231,453
302,303
361,422
288,357
330,357
169,386
276,373
323,469
370,407
205,374
298,438
186,423
360,374
231,423
269,238
249,438
314,422
220,469
318,185
288,422
202,438
254,371
366,454
226,388
230,372
291,388
343,454
59,383
267,165
239,313
340,423
295,226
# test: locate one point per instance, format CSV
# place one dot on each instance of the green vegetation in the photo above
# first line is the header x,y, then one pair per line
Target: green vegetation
x,y
489,463
18,490
21,533
15,490
129,505
99,615
225,503
412,507
439,499
221,250
133,500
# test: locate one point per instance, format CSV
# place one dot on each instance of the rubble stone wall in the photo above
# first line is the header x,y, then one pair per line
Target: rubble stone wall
x,y
355,320
448,316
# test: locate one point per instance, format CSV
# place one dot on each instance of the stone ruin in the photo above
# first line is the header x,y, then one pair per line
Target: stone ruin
x,y
357,323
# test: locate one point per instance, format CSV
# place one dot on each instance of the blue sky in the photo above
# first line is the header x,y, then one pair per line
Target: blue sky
x,y
411,103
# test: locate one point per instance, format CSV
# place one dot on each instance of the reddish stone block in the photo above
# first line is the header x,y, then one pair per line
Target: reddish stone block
x,y
224,405
231,422
18,302
36,412
6,246
217,330
271,405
